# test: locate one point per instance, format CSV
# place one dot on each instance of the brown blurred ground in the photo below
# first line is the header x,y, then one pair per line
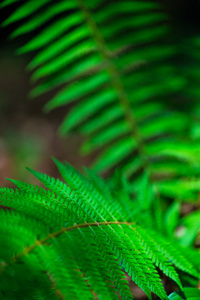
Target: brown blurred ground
x,y
28,137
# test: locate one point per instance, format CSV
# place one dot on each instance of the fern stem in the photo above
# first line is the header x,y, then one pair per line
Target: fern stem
x,y
57,291
198,286
116,82
43,241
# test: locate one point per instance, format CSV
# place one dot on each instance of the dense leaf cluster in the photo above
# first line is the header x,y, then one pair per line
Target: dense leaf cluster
x,y
77,239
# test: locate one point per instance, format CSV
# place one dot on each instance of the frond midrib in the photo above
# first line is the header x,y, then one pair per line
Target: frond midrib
x,y
116,82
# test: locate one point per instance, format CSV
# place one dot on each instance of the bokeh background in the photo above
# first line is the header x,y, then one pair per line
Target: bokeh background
x,y
28,137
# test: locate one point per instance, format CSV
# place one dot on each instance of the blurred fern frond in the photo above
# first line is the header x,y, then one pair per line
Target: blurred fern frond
x,y
74,241
112,59
189,294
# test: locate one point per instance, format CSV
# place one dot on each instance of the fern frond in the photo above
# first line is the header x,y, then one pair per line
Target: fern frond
x,y
87,245
115,83
188,294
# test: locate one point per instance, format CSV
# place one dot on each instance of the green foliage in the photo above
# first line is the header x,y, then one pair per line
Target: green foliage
x,y
132,92
187,293
115,61
191,226
74,240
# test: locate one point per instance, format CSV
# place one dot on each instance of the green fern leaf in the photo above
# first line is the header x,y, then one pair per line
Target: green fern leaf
x,y
69,234
114,83
187,294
